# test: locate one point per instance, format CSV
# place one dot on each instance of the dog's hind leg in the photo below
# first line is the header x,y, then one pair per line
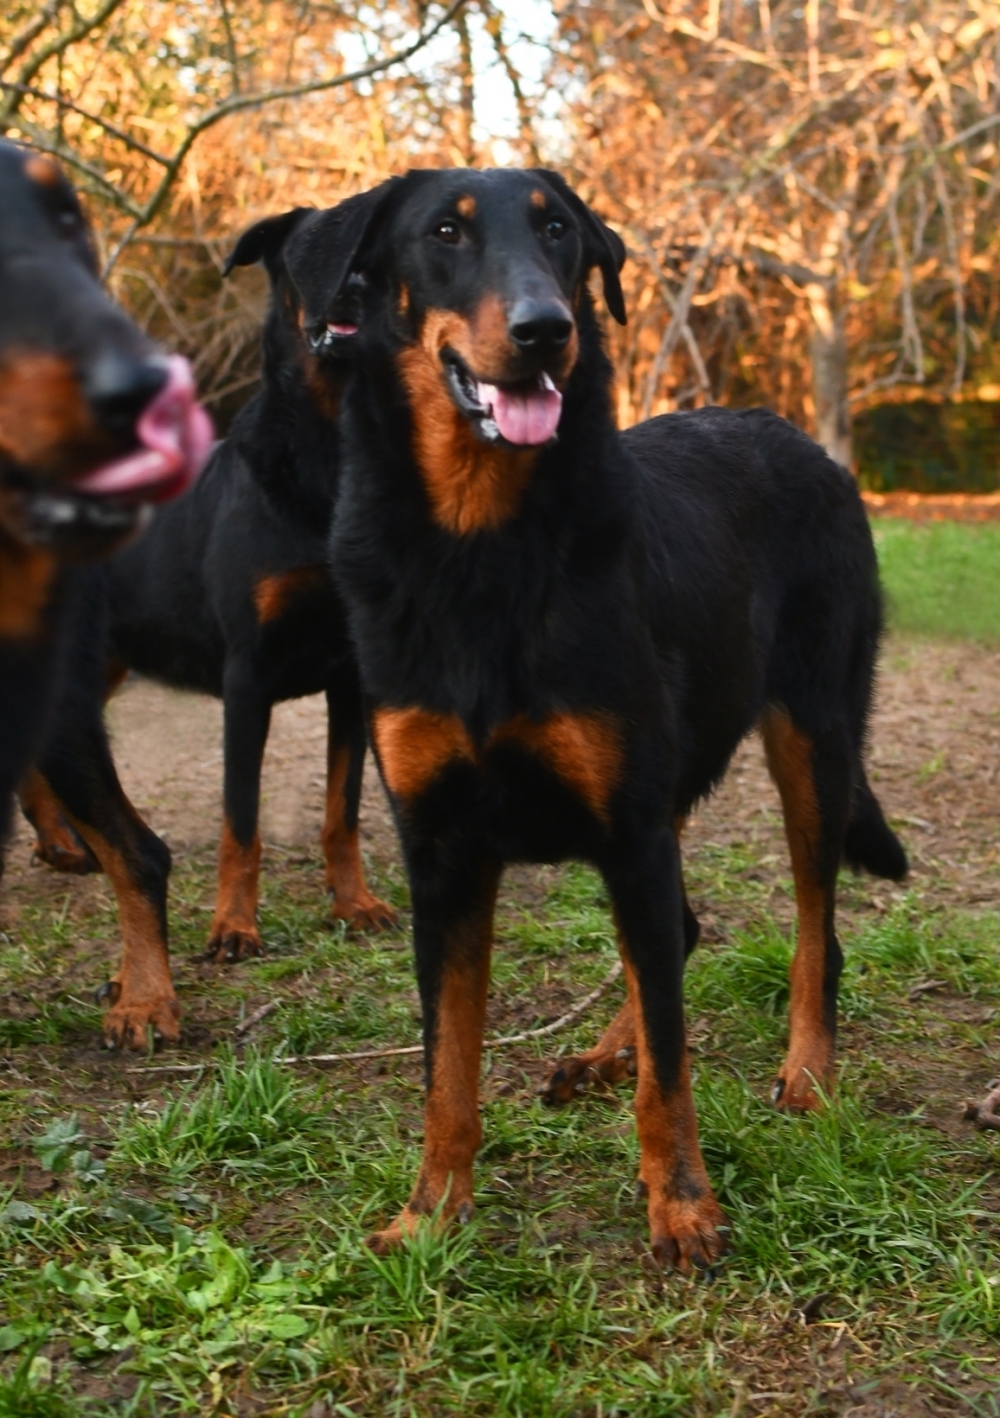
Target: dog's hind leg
x,y
350,899
78,770
247,713
813,776
612,1058
57,843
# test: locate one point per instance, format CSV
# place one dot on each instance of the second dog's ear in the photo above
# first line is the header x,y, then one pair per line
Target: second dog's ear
x,y
603,247
264,241
320,257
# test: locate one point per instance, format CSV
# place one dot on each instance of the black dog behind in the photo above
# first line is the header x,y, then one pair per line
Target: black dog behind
x,y
229,591
94,426
564,632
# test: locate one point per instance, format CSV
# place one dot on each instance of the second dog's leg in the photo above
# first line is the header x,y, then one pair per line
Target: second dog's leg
x,y
235,935
345,877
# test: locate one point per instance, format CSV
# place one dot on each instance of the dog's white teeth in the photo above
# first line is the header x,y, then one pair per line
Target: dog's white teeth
x,y
546,383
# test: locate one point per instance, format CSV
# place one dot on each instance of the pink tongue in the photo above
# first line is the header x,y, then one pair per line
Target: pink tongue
x,y
176,437
523,416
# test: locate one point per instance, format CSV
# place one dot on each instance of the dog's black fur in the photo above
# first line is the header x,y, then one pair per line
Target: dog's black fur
x,y
562,646
229,591
75,377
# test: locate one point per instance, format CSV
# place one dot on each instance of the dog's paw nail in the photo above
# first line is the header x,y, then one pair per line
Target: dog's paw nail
x,y
778,1090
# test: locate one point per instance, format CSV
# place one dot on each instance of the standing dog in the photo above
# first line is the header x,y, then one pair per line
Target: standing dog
x,y
229,591
564,632
94,427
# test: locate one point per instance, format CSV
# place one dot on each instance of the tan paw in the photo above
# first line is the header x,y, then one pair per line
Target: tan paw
x,y
583,1072
804,1077
689,1236
409,1221
365,912
226,947
133,1023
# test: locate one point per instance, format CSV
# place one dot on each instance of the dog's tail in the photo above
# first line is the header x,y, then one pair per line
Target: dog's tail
x,y
870,841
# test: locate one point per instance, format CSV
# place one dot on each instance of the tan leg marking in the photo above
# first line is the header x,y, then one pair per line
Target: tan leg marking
x,y
452,1128
234,926
810,1054
142,993
345,876
684,1216
57,844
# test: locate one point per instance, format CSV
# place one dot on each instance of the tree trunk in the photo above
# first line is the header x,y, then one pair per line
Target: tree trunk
x,y
829,370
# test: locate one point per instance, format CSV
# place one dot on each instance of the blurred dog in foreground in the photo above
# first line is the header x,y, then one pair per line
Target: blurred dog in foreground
x,y
96,426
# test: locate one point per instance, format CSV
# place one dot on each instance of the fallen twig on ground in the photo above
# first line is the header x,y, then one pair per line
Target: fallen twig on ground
x,y
357,1056
245,1025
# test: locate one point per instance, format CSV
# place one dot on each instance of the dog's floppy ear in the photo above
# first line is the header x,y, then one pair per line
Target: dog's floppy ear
x,y
320,257
603,247
264,240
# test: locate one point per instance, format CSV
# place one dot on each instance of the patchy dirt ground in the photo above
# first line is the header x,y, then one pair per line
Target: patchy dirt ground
x,y
934,763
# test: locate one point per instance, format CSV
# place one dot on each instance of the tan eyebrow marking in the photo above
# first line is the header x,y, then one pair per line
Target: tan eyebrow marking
x,y
466,207
537,198
42,170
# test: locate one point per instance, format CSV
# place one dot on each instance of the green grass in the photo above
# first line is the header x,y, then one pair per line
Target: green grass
x,y
207,1248
942,578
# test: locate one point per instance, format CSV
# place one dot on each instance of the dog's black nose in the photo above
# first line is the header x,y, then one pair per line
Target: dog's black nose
x,y
540,324
119,386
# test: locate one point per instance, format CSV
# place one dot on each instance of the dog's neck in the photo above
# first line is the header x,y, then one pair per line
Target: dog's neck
x,y
290,437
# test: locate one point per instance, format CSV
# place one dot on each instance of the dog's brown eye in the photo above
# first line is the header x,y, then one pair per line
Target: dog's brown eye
x,y
554,229
449,232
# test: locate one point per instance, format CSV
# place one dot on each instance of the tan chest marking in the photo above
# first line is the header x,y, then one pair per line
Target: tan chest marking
x,y
272,595
26,578
583,750
415,745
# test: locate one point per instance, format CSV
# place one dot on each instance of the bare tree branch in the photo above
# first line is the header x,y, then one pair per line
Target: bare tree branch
x,y
240,103
26,90
77,31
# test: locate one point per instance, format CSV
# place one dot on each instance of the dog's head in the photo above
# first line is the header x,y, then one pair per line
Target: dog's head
x,y
481,275
315,311
95,424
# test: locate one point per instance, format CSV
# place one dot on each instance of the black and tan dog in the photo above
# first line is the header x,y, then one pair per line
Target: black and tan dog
x,y
95,426
229,591
563,633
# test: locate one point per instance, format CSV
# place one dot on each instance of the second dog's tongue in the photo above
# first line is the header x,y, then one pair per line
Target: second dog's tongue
x,y
525,416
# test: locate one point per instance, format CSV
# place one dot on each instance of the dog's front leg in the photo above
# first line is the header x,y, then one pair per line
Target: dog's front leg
x,y
686,1223
452,932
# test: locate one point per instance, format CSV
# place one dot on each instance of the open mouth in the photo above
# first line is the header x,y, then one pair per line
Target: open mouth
x,y
332,337
523,414
110,501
